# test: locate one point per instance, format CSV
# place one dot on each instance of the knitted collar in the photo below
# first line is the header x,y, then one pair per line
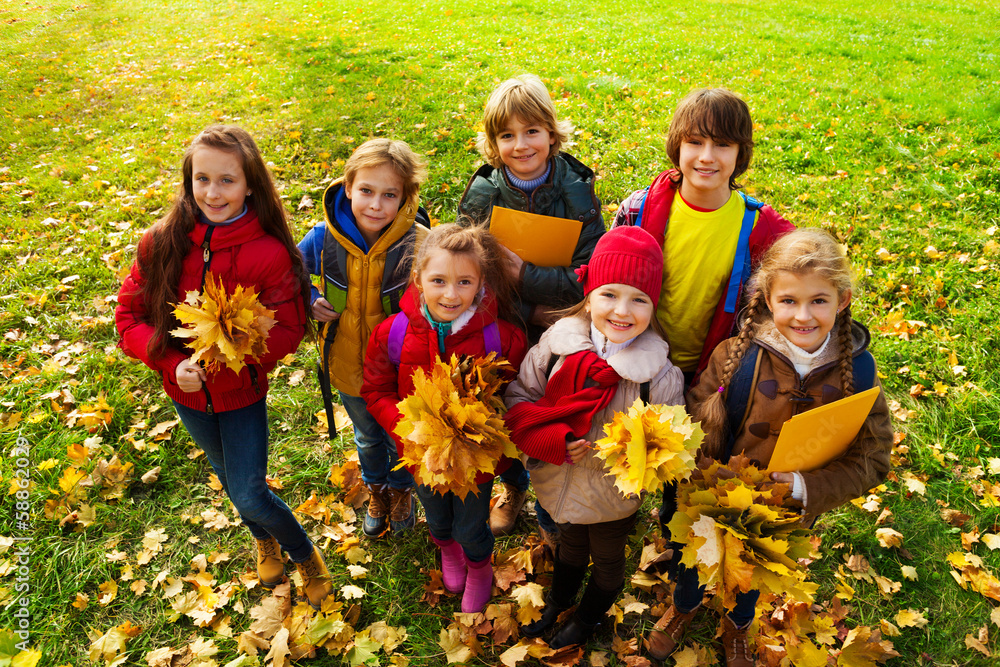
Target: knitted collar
x,y
528,187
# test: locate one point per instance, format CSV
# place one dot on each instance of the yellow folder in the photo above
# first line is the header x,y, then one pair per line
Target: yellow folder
x,y
812,439
539,239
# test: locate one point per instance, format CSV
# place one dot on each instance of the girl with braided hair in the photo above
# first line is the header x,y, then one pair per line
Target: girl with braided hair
x,y
799,318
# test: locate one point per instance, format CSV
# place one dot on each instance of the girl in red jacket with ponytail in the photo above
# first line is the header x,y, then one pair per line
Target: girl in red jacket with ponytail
x,y
459,290
227,220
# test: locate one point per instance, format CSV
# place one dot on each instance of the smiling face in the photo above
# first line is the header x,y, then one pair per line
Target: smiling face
x,y
524,149
375,194
620,312
805,307
707,164
218,183
449,283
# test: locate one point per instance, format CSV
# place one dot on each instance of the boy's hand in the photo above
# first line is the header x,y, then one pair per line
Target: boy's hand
x,y
514,264
189,376
322,311
576,450
783,478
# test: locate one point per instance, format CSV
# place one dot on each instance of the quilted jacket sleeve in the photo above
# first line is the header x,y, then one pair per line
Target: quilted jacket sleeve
x,y
380,388
134,329
311,247
279,291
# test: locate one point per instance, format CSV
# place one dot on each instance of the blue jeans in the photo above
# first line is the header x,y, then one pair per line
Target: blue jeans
x,y
467,522
517,476
376,448
688,594
235,442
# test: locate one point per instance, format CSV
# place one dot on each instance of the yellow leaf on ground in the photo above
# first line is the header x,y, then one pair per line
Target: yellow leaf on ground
x,y
910,618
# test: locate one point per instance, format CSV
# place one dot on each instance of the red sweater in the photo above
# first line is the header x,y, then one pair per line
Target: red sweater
x,y
242,253
384,385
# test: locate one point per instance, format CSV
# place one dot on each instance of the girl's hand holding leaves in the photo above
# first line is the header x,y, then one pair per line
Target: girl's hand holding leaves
x,y
649,446
452,426
738,534
225,328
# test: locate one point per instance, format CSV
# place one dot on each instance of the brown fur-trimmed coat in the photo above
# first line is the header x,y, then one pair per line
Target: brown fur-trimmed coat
x,y
864,465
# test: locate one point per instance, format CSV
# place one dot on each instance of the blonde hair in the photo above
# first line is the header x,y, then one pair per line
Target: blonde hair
x,y
485,250
410,167
525,98
799,252
716,113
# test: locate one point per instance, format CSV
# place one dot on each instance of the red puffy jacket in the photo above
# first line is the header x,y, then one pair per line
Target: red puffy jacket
x,y
241,253
384,385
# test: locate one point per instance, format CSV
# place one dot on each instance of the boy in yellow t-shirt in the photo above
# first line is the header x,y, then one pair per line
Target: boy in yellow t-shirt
x,y
711,234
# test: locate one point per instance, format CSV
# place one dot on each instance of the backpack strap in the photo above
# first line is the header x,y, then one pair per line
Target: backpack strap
x,y
397,332
738,395
864,371
644,392
741,260
491,338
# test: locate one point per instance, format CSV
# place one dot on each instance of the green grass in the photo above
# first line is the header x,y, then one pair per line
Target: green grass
x,y
880,125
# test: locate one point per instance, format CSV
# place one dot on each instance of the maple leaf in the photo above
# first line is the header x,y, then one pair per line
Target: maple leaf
x,y
649,446
530,602
889,538
279,649
107,646
864,647
268,616
452,427
738,535
505,625
457,647
224,328
387,635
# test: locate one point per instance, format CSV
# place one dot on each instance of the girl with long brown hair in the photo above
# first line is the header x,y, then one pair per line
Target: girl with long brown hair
x,y
228,222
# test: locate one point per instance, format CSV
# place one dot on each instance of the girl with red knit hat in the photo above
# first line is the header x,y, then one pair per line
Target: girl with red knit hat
x,y
597,360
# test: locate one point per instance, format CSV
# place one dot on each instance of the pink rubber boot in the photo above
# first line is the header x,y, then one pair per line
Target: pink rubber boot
x,y
453,571
478,586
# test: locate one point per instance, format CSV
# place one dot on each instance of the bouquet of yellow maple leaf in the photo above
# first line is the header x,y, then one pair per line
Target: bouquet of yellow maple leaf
x,y
225,328
649,446
738,534
452,426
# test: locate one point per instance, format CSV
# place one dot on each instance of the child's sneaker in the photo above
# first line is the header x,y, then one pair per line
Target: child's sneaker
x,y
402,509
378,509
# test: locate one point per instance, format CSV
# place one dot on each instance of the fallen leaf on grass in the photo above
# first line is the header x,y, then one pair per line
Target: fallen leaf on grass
x,y
979,643
889,538
864,647
910,618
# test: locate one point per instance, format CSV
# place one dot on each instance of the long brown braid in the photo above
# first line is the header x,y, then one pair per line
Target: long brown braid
x,y
801,251
712,412
845,337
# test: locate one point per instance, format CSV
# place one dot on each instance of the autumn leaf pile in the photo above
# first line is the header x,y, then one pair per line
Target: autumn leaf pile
x,y
738,535
452,426
224,328
649,446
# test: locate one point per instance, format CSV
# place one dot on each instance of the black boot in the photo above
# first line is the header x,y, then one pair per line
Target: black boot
x,y
592,608
566,580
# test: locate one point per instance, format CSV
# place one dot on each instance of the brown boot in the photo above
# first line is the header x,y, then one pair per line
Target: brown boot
x,y
315,578
505,511
375,522
666,635
735,645
402,506
270,567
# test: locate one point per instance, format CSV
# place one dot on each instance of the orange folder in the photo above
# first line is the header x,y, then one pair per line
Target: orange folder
x,y
812,439
539,239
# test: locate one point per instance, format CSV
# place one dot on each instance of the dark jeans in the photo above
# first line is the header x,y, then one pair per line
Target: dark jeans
x,y
376,448
465,521
600,543
517,476
235,442
688,594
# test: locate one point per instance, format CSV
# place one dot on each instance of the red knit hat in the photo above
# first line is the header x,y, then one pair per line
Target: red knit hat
x,y
628,256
